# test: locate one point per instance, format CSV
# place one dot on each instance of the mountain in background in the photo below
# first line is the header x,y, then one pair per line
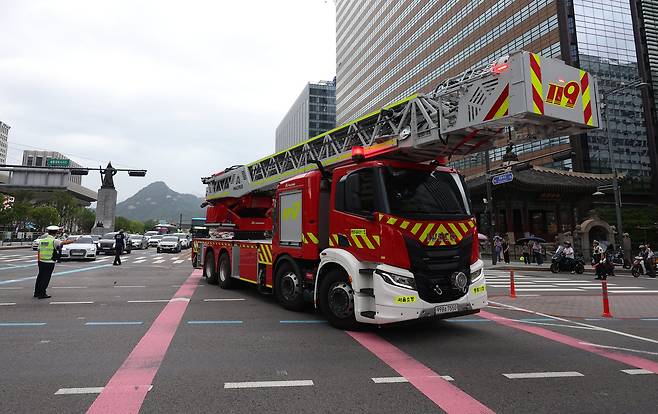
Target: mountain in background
x,y
158,202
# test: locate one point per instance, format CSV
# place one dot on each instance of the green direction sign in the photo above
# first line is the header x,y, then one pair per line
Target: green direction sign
x,y
57,162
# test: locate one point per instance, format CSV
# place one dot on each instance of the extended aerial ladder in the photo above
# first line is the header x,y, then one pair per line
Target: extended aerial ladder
x,y
522,96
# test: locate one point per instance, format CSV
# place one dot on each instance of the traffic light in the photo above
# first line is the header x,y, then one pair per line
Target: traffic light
x,y
79,171
137,173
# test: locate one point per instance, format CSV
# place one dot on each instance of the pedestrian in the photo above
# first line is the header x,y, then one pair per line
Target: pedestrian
x,y
506,251
119,245
526,253
599,261
49,248
498,247
536,252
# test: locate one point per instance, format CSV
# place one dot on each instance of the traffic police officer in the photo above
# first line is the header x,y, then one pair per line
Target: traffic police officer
x,y
46,261
119,245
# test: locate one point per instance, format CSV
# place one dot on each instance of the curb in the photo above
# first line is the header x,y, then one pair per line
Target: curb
x,y
26,246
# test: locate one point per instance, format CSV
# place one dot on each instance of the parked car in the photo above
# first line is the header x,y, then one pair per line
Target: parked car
x,y
139,242
107,244
169,243
184,240
35,243
83,248
154,240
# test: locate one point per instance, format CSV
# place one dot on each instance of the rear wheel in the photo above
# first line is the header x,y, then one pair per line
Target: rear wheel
x,y
209,268
635,271
225,280
555,267
579,268
288,287
337,300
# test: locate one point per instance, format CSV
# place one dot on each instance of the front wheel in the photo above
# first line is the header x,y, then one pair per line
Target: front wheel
x,y
337,300
627,264
580,269
555,267
288,288
635,271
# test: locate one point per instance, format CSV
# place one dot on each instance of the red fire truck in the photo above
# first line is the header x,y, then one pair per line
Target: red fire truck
x,y
365,221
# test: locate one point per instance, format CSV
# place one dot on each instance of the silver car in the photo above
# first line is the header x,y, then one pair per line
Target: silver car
x,y
35,243
169,243
154,240
139,242
82,248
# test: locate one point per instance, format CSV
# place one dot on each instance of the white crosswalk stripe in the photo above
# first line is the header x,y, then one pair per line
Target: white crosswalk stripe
x,y
535,284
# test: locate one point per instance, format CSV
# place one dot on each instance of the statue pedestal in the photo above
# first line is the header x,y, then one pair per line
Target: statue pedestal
x,y
106,207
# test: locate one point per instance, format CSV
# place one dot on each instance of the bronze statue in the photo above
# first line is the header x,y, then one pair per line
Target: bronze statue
x,y
106,176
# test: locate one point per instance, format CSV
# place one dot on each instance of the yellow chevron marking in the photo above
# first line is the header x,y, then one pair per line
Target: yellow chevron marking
x,y
425,233
357,242
380,216
432,240
415,228
471,224
335,236
503,109
452,239
312,237
463,227
455,231
368,242
376,238
331,242
304,239
391,220
404,224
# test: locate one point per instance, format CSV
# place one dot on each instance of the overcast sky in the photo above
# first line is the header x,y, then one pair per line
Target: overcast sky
x,y
182,89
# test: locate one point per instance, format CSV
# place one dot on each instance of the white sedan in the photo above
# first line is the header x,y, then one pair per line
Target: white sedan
x,y
83,248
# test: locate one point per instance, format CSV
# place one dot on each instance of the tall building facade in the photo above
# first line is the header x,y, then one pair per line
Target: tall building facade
x,y
313,113
35,158
4,136
386,50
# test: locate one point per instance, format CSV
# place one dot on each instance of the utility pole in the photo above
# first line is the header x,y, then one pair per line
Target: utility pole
x,y
490,206
180,221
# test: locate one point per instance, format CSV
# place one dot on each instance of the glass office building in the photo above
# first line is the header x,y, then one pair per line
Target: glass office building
x,y
313,113
386,50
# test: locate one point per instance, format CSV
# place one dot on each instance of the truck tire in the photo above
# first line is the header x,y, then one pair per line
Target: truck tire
x,y
209,271
336,298
288,287
224,272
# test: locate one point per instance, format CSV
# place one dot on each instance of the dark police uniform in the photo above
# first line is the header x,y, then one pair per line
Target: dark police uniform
x,y
119,244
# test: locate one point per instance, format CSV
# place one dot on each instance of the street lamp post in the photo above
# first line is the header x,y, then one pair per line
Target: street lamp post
x,y
613,165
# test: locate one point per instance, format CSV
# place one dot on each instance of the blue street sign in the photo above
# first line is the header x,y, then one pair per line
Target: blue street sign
x,y
502,178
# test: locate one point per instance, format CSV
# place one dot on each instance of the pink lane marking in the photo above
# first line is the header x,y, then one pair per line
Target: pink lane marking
x,y
126,390
631,360
448,397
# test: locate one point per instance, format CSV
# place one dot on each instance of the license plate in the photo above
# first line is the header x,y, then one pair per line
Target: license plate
x,y
77,254
445,309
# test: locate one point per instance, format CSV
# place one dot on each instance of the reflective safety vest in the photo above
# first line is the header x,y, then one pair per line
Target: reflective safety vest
x,y
46,249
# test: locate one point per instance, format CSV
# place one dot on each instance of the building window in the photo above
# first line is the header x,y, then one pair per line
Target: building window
x,y
39,162
30,159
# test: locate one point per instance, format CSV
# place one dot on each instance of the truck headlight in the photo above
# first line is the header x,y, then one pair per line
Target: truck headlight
x,y
477,275
397,280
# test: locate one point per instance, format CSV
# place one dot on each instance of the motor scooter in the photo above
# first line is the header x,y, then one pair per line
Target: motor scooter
x,y
559,263
618,259
639,268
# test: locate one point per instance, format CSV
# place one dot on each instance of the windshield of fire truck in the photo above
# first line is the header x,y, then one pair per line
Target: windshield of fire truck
x,y
425,194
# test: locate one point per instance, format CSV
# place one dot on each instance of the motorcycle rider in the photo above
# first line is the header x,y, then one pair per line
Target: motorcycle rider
x,y
569,256
648,261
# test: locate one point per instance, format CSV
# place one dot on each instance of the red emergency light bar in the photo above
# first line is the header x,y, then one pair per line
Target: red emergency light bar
x,y
499,68
358,154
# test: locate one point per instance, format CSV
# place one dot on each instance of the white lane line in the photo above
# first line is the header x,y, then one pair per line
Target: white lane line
x,y
633,291
71,303
149,301
85,390
140,258
392,380
126,286
527,375
636,371
157,257
69,287
557,318
10,288
178,261
222,299
158,261
139,261
639,351
268,384
546,290
7,303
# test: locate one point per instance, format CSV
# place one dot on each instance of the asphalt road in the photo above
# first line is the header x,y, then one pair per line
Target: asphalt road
x,y
131,329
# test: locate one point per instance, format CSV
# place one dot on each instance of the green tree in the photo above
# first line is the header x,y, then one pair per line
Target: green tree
x,y
121,223
149,224
67,207
44,216
85,219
